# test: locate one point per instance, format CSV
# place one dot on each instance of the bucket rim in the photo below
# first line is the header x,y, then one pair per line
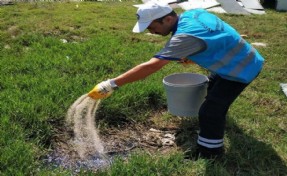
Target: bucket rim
x,y
188,84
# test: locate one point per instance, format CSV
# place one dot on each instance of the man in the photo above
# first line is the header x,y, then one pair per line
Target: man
x,y
203,38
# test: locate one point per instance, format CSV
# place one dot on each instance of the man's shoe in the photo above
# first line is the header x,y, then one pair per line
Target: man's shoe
x,y
209,153
204,153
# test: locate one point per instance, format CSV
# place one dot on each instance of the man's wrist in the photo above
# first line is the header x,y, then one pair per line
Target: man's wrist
x,y
113,84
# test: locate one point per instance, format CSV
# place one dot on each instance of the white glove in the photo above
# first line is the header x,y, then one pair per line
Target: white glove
x,y
103,89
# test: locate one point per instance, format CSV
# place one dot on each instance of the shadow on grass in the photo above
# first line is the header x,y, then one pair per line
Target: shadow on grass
x,y
244,155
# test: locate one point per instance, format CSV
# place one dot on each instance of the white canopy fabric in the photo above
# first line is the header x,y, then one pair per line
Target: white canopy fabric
x,y
193,4
243,7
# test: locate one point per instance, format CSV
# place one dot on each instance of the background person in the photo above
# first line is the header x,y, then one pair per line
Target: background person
x,y
205,39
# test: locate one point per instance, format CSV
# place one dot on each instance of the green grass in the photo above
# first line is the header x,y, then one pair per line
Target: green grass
x,y
41,77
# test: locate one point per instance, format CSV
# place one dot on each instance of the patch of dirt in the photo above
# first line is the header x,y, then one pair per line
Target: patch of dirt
x,y
157,134
14,31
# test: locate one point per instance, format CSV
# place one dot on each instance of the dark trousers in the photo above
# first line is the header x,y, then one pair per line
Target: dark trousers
x,y
212,114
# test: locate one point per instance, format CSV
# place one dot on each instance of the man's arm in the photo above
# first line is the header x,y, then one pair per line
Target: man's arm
x,y
140,71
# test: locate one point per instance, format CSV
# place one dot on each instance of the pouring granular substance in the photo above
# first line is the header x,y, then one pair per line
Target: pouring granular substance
x,y
82,148
80,117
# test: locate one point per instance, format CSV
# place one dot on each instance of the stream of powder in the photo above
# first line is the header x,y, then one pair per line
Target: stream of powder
x,y
81,117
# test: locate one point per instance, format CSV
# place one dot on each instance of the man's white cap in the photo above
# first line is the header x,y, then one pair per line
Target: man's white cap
x,y
148,12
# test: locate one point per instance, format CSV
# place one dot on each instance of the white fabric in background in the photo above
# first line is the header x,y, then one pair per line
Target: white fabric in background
x,y
284,88
163,1
217,10
194,4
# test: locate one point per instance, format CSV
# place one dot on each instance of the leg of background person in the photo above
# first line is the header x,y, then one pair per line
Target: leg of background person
x,y
212,114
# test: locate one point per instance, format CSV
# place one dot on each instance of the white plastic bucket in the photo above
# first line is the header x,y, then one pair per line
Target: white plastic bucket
x,y
185,93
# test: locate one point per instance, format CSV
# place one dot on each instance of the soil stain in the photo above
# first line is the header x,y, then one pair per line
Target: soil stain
x,y
155,135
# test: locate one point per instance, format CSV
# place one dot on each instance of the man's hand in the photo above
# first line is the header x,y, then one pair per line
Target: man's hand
x,y
185,62
102,90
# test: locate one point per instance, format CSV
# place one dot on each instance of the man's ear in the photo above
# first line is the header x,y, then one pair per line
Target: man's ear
x,y
168,19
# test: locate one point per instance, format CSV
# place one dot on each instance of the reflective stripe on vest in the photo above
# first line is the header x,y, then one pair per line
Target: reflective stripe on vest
x,y
243,64
229,57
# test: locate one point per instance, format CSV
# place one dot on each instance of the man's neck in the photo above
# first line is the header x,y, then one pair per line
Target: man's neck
x,y
174,28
